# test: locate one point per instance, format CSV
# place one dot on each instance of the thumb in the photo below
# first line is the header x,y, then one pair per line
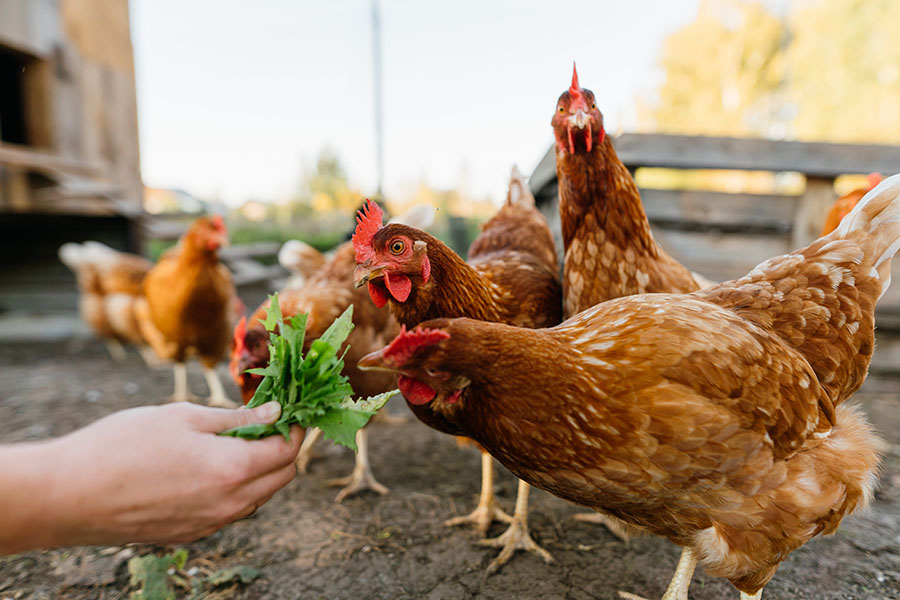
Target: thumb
x,y
220,419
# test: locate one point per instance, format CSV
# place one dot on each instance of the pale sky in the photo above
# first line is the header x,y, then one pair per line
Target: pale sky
x,y
234,96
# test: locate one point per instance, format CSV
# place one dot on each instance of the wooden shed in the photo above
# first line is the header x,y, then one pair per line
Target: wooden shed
x,y
69,159
724,235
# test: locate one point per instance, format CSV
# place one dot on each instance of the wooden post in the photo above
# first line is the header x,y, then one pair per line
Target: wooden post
x,y
811,210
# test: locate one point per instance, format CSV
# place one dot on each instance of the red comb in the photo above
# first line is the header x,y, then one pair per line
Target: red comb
x,y
369,220
575,89
874,179
407,342
219,223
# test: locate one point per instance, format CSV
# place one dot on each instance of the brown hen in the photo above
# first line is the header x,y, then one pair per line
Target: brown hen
x,y
511,277
609,248
715,419
189,307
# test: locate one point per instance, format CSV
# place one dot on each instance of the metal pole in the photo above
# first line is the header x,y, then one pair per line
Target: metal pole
x,y
379,116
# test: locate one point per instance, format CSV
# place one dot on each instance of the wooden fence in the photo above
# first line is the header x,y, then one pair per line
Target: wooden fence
x,y
724,235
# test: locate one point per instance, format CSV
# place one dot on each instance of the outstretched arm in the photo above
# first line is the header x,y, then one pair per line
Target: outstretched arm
x,y
151,474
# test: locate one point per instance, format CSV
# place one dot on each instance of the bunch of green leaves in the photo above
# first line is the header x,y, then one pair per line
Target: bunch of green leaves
x,y
311,389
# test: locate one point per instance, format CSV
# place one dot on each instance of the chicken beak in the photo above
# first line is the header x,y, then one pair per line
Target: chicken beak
x,y
579,119
362,274
375,361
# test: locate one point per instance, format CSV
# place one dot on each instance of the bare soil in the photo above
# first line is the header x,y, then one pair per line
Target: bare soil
x,y
374,547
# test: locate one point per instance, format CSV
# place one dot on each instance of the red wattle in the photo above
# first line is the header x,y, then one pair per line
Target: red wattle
x,y
378,295
590,137
415,391
398,285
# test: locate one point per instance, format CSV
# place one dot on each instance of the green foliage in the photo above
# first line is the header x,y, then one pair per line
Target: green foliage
x,y
157,576
828,70
311,389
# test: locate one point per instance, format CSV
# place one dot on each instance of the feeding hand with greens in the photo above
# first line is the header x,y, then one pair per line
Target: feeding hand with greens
x,y
311,388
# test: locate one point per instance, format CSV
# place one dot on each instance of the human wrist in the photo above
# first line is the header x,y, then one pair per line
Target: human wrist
x,y
29,515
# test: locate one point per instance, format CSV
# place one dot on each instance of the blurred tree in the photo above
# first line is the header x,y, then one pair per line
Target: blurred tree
x,y
828,71
724,72
845,70
325,188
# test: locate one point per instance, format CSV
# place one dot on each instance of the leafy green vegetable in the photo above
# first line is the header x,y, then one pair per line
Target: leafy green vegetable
x,y
311,389
243,573
151,574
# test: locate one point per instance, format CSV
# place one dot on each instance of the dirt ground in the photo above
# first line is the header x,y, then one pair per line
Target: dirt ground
x,y
380,547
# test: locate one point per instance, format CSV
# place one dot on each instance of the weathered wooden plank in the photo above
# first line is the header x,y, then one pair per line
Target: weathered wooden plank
x,y
244,251
718,209
819,159
811,210
36,160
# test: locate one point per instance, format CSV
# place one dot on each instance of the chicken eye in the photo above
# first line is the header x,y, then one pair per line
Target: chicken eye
x,y
431,372
397,247
561,109
593,106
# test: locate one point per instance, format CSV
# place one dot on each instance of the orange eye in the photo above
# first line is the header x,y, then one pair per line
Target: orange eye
x,y
561,109
593,106
397,247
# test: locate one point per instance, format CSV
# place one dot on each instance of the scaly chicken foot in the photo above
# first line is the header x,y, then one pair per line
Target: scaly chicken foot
x,y
217,396
617,527
306,453
517,536
487,510
361,478
181,393
681,580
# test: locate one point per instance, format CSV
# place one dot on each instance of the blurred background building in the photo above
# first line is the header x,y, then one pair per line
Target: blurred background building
x,y
69,158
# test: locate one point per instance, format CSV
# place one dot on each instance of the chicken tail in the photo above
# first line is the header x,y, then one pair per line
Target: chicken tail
x,y
519,193
875,222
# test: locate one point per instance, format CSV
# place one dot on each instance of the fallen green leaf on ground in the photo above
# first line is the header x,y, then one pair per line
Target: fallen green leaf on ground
x,y
311,389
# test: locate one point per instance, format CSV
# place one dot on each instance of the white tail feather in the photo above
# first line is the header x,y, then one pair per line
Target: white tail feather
x,y
877,215
518,189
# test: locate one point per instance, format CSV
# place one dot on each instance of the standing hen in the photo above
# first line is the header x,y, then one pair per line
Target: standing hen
x,y
324,296
110,283
715,419
189,306
511,277
609,248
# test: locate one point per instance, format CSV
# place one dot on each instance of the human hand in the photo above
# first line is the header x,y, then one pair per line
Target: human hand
x,y
160,474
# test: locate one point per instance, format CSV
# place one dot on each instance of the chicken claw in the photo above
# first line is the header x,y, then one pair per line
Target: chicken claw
x,y
361,478
517,536
217,396
181,393
487,510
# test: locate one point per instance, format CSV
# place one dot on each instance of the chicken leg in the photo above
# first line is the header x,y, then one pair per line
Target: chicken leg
x,y
487,510
306,449
116,350
361,478
217,396
617,527
181,393
681,580
517,536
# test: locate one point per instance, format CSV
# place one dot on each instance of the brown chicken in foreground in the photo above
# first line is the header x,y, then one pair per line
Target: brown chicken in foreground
x,y
189,306
110,283
511,277
324,297
609,248
715,419
843,205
